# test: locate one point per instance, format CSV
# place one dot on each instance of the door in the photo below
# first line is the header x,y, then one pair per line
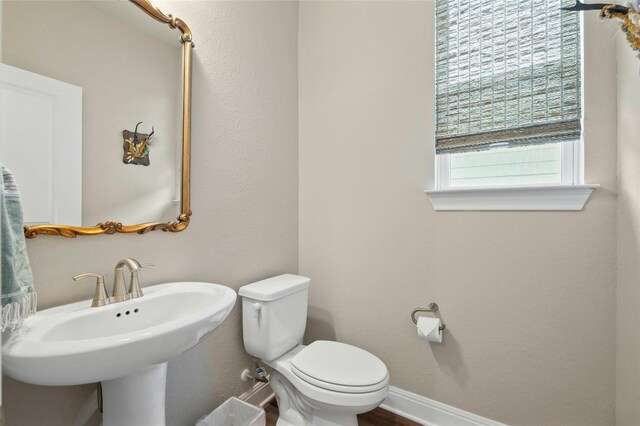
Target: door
x,y
41,143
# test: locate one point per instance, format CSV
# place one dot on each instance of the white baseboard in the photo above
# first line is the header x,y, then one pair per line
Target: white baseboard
x,y
429,412
404,403
258,395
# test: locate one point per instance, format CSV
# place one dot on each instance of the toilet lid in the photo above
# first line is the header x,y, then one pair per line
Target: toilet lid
x,y
340,367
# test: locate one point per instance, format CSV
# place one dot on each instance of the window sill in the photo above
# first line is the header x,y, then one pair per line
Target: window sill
x,y
558,198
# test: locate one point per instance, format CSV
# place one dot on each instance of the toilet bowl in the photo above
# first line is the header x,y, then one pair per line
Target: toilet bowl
x,y
322,384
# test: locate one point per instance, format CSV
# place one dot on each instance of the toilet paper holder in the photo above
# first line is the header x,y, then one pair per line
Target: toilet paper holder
x,y
433,307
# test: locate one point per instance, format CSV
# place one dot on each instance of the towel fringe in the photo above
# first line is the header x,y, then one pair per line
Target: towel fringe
x,y
15,313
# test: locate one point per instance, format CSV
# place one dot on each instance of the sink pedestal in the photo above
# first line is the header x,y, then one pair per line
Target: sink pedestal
x,y
137,399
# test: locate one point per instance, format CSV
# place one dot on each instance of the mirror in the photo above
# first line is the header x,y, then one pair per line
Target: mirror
x,y
95,109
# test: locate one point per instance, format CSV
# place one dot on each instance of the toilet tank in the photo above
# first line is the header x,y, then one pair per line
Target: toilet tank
x,y
274,315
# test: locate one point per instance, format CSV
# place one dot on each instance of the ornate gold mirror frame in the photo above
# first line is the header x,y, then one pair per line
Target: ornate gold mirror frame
x,y
183,219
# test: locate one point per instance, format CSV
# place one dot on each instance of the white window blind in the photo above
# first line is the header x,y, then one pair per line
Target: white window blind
x,y
508,73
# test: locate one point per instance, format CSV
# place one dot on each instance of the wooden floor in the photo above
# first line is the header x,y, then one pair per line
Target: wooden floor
x,y
377,417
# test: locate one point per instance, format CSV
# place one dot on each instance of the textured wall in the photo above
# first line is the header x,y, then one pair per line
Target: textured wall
x,y
245,201
528,297
628,366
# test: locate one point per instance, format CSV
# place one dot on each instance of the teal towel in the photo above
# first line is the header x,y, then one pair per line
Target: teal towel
x,y
19,299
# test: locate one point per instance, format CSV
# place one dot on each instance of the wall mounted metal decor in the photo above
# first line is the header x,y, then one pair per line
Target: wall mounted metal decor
x,y
136,146
629,16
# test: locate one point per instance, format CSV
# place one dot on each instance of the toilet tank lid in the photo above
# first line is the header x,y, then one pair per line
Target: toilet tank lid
x,y
275,287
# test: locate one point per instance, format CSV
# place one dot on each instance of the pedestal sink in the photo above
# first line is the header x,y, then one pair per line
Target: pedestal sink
x,y
124,345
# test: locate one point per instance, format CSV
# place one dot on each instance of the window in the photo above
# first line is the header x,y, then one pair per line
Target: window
x,y
508,94
546,164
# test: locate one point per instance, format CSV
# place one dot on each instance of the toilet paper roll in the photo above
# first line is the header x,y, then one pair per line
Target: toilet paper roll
x,y
429,328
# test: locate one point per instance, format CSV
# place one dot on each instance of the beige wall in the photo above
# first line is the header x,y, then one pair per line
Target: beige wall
x,y
528,297
245,201
628,348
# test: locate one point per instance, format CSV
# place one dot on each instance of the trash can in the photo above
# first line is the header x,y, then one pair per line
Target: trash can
x,y
234,412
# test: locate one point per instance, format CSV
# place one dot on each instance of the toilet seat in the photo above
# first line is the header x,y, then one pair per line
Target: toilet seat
x,y
340,367
320,396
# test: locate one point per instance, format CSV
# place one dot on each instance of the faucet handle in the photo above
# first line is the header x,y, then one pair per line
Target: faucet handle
x,y
100,297
134,288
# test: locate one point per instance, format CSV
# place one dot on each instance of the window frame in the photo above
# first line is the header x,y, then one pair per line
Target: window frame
x,y
572,166
571,195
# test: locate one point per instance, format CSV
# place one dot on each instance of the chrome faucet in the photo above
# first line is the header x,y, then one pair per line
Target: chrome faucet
x,y
119,292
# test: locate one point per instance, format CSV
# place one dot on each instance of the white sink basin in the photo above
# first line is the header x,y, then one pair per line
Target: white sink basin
x,y
76,344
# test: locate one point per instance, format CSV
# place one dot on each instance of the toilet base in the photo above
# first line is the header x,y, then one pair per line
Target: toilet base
x,y
327,419
319,421
295,410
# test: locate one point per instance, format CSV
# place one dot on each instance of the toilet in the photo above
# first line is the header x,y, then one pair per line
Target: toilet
x,y
324,383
